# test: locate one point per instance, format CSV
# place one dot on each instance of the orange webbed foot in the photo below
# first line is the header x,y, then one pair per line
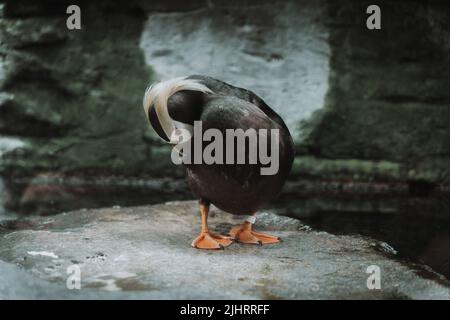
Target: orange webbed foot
x,y
245,234
211,241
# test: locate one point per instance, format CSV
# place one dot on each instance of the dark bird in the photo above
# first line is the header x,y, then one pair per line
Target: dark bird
x,y
233,185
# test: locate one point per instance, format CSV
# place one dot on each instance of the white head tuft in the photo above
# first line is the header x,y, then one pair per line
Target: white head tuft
x,y
158,94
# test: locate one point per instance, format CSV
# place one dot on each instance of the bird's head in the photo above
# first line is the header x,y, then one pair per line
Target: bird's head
x,y
172,104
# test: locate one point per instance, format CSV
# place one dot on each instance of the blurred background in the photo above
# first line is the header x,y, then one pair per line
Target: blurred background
x,y
369,110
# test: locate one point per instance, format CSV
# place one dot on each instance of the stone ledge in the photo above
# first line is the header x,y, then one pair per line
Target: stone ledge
x,y
145,252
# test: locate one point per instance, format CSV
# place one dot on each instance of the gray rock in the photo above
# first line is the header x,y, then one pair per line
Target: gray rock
x,y
387,96
144,252
279,50
32,31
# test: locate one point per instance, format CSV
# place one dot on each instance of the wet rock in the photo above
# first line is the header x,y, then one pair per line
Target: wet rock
x,y
32,31
387,97
69,91
18,284
146,251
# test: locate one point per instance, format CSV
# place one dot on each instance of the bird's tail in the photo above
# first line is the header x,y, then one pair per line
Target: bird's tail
x,y
157,95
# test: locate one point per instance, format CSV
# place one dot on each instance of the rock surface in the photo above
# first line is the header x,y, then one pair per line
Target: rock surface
x,y
278,49
388,98
145,252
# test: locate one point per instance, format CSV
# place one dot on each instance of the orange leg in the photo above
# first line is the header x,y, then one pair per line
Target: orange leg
x,y
207,239
245,234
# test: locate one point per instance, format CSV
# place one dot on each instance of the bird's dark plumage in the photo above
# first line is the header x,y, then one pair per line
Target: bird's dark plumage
x,y
235,188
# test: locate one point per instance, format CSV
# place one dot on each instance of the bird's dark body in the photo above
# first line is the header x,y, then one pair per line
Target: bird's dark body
x,y
238,188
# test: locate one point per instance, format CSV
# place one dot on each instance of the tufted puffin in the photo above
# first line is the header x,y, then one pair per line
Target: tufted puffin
x,y
236,187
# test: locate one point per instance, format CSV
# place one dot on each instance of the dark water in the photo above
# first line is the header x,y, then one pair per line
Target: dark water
x,y
418,229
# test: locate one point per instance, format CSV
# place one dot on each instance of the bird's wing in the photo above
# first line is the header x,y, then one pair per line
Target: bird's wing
x,y
223,88
229,112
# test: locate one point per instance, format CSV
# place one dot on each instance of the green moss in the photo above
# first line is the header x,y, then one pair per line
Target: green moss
x,y
351,169
92,84
387,103
432,169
